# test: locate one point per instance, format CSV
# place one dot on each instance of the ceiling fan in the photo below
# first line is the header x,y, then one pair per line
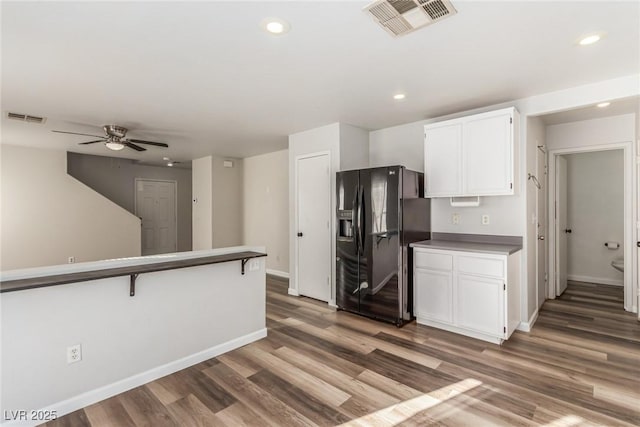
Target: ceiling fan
x,y
114,139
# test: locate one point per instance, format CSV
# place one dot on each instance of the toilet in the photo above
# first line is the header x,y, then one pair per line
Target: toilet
x,y
618,264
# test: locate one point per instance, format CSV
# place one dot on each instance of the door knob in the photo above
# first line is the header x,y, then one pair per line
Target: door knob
x,y
540,237
299,234
567,230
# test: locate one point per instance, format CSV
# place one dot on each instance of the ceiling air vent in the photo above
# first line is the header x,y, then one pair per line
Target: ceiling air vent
x,y
26,118
400,17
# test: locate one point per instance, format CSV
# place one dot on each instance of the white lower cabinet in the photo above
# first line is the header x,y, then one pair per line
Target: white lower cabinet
x,y
434,295
473,294
479,302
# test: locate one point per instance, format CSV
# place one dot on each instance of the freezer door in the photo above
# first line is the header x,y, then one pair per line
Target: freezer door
x,y
347,195
380,249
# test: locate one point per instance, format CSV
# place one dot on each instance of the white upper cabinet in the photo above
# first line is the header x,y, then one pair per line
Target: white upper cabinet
x,y
443,160
471,156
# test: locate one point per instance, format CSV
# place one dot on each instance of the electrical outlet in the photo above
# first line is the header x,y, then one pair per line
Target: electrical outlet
x,y
455,218
74,353
72,259
254,265
485,219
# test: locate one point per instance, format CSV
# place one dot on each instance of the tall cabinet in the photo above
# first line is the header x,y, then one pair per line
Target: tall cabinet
x,y
472,155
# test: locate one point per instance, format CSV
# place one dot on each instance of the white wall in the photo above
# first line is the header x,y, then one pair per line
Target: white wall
x,y
595,213
607,130
202,210
48,216
177,318
535,138
354,147
399,145
114,178
227,202
217,206
266,207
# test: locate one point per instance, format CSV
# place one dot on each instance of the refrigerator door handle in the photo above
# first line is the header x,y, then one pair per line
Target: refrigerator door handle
x,y
355,215
361,216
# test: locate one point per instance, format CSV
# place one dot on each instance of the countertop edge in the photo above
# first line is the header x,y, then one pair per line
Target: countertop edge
x,y
459,246
24,283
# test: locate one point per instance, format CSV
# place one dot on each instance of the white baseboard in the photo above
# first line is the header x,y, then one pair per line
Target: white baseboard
x,y
89,398
526,326
598,280
293,292
278,273
458,330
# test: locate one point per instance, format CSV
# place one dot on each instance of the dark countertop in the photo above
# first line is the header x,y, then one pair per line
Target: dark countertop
x,y
129,270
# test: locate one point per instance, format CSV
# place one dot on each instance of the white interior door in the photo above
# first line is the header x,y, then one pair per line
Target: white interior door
x,y
156,206
314,231
541,204
561,225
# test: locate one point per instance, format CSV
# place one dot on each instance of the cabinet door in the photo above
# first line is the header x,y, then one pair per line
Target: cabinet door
x,y
487,155
433,295
480,304
442,161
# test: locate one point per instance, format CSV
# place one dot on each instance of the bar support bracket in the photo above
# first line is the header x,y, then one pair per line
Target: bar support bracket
x,y
132,284
244,262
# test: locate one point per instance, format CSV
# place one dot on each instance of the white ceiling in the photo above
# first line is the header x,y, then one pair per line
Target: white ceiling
x,y
206,79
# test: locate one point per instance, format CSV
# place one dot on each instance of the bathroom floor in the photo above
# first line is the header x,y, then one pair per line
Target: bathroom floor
x,y
594,294
592,309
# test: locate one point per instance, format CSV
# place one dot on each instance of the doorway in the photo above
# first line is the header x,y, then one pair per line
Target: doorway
x,y
156,206
590,217
313,224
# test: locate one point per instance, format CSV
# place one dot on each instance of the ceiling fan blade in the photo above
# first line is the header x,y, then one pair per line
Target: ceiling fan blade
x,y
134,146
158,144
92,142
75,133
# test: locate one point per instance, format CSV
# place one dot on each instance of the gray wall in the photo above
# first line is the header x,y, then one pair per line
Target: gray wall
x,y
114,178
595,213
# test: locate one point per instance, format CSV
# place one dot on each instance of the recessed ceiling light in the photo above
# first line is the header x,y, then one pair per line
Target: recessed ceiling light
x,y
399,96
166,159
275,26
170,164
603,104
593,38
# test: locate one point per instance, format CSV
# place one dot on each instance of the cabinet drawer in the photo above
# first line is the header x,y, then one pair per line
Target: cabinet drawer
x,y
493,267
434,261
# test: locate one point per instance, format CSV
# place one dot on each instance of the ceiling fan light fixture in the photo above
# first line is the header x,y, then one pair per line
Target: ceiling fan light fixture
x,y
115,146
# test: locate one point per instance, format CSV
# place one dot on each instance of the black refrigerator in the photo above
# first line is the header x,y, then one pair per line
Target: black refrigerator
x,y
380,211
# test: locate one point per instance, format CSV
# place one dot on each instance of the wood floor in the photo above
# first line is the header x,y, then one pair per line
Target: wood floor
x,y
580,365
